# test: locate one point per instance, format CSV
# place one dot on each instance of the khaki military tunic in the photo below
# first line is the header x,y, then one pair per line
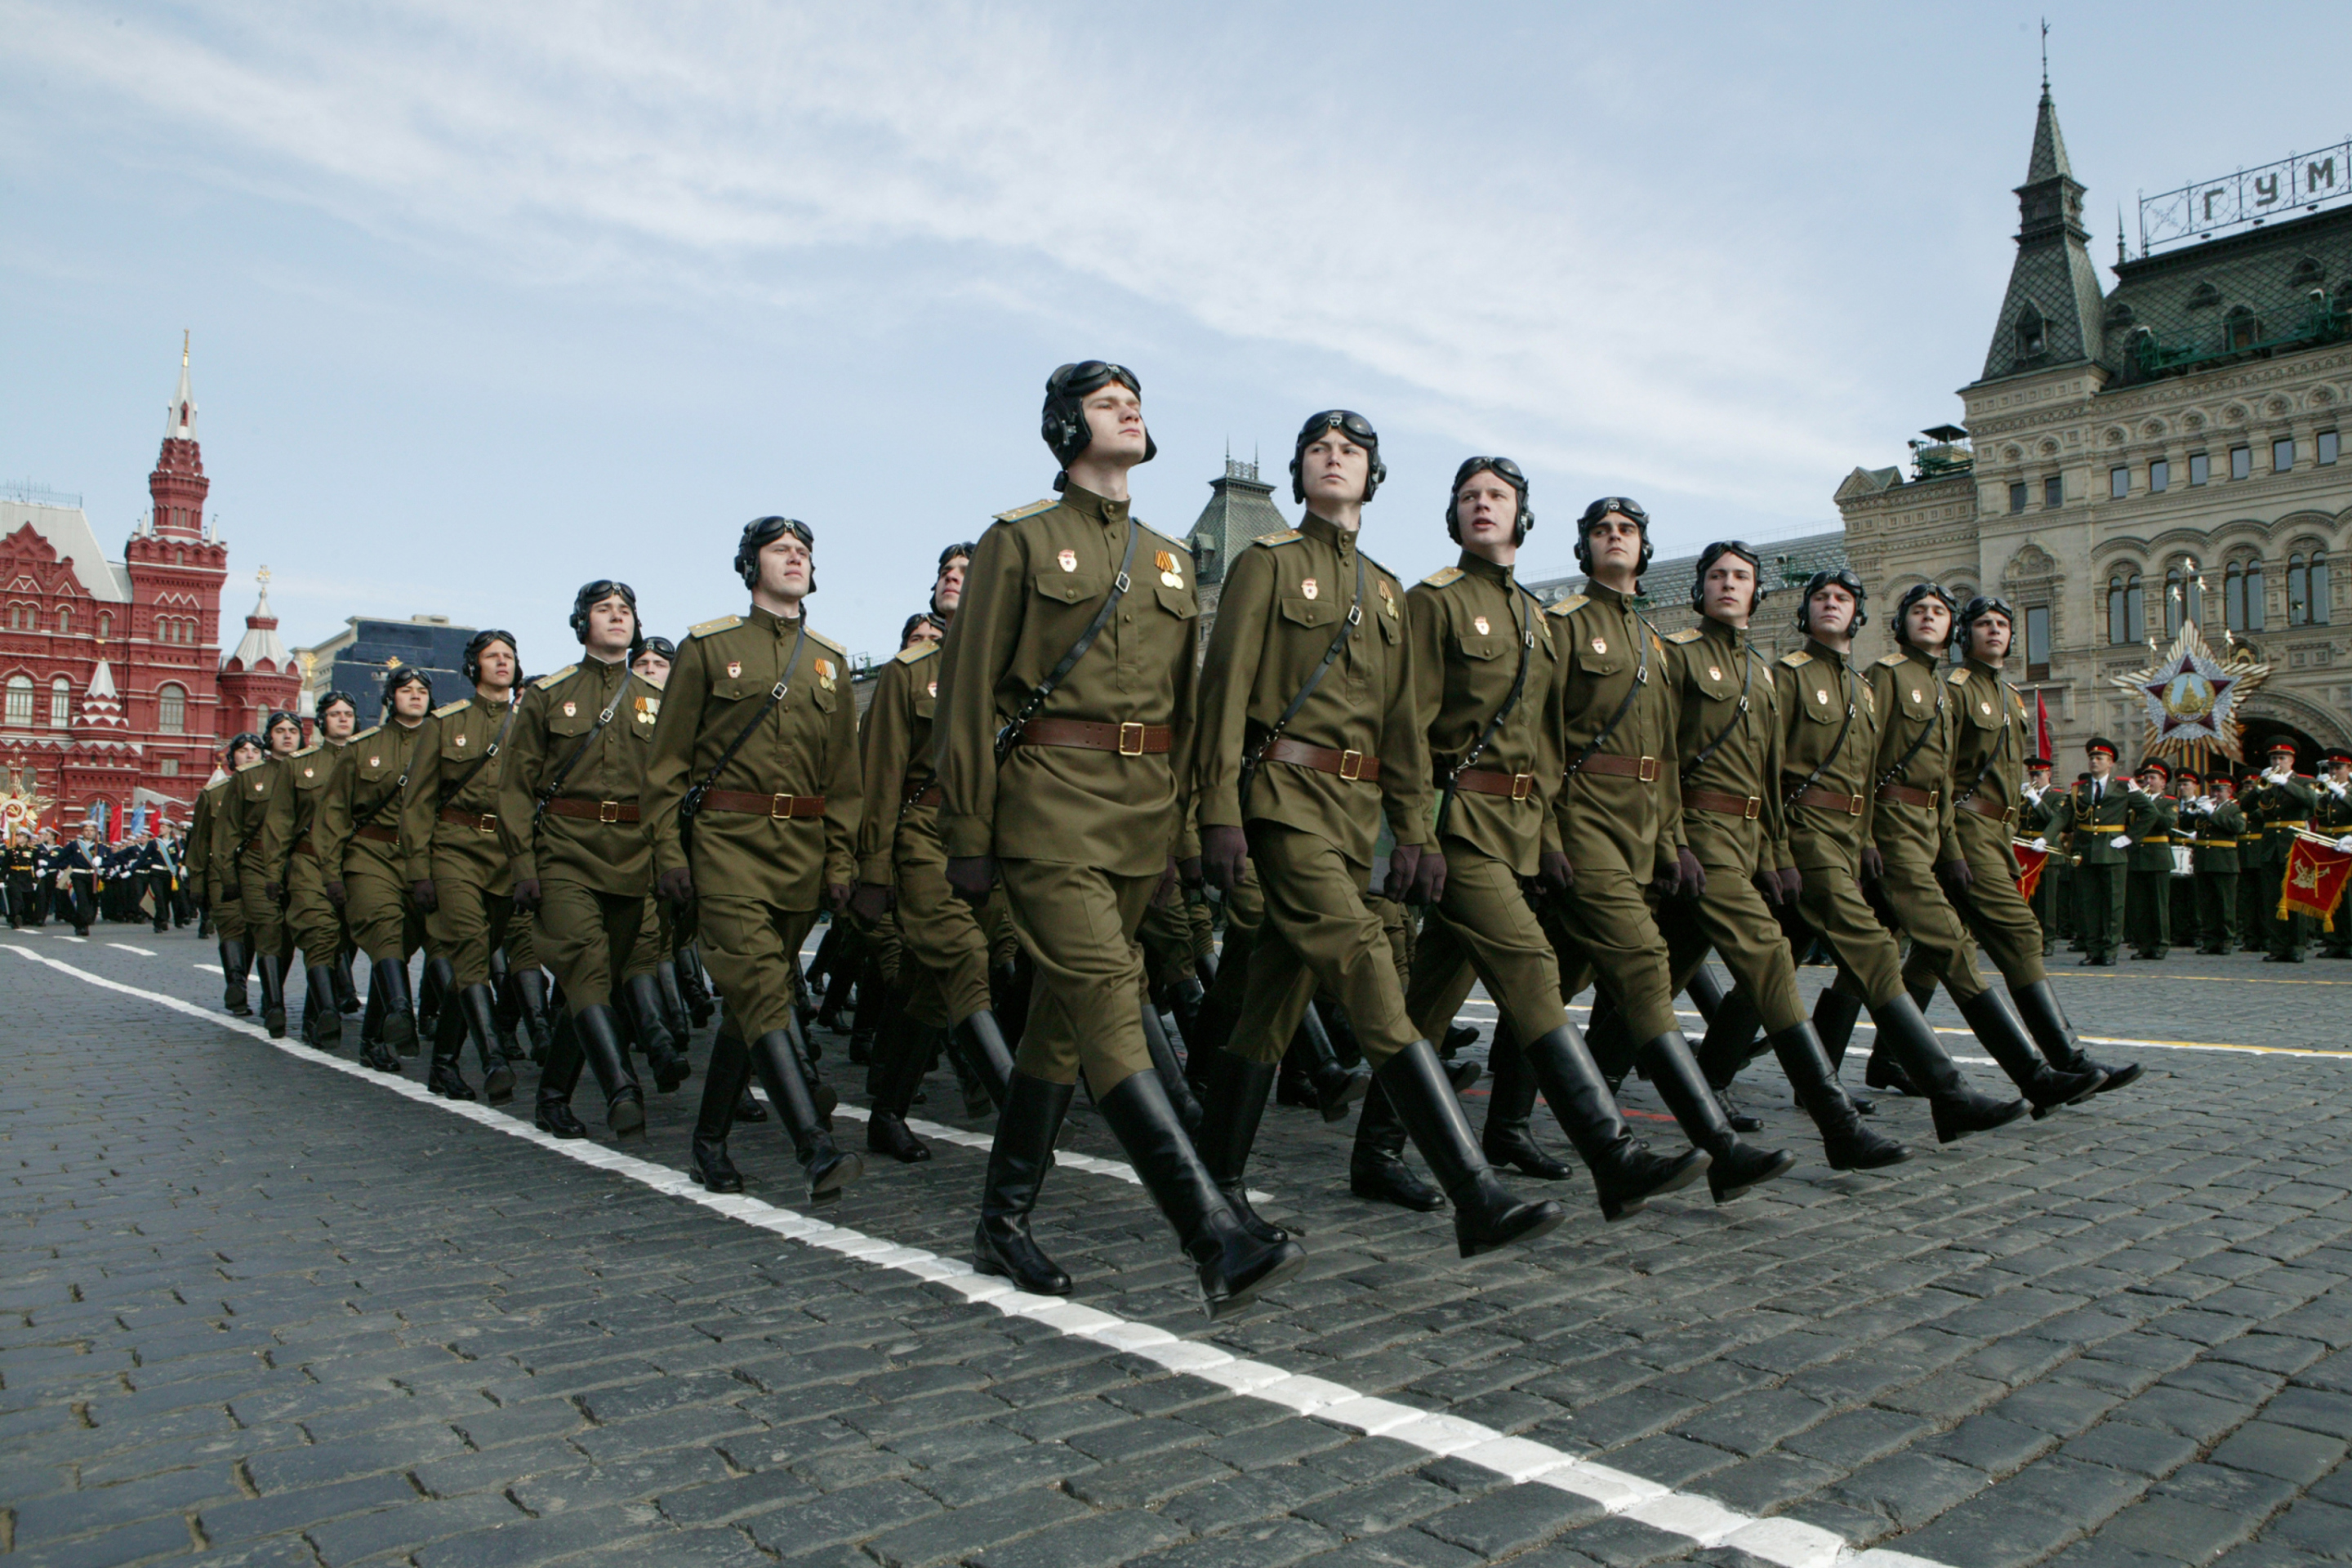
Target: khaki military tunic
x,y
1470,626
356,834
898,845
449,832
1829,723
1313,815
585,845
196,868
318,927
1911,818
254,839
1082,836
759,874
1988,787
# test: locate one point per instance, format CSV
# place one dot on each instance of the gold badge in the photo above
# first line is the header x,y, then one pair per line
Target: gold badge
x,y
1601,645
734,667
1821,697
1388,601
824,670
461,739
1713,673
1069,560
1307,588
569,708
1480,622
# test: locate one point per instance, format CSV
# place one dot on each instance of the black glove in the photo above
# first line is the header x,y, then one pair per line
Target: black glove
x,y
274,891
232,892
837,896
335,895
1874,864
1957,876
1555,871
872,901
1792,882
1428,879
1690,877
676,887
971,876
1224,856
1166,892
423,895
1188,871
527,895
1405,859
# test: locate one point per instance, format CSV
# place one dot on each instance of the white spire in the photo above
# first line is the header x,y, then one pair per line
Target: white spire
x,y
101,681
180,419
262,647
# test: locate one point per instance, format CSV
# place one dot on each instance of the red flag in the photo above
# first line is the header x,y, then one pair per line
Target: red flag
x,y
2042,733
2030,862
2314,885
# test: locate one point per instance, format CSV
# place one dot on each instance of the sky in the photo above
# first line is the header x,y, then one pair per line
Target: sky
x,y
488,300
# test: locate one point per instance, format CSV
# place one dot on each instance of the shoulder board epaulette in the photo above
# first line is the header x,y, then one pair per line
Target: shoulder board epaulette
x,y
550,679
822,640
313,746
1279,537
1032,510
364,734
1685,636
446,709
218,783
917,653
1797,660
1567,606
1959,675
1892,661
712,628
1446,579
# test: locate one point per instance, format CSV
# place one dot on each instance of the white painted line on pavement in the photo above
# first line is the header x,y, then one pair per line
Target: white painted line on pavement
x,y
142,951
1789,1543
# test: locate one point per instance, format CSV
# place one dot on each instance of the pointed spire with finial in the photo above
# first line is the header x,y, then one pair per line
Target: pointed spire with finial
x,y
2050,315
180,419
2122,255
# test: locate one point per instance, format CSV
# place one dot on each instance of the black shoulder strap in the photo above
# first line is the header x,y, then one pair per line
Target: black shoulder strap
x,y
1348,624
1891,775
1996,754
1493,725
1747,682
399,785
1010,736
554,783
693,802
1836,746
452,791
1641,678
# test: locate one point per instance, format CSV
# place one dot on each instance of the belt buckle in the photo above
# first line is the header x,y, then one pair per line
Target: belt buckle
x,y
781,806
2008,817
608,811
1352,765
1522,785
1934,798
1124,749
1755,809
486,823
1853,804
1646,769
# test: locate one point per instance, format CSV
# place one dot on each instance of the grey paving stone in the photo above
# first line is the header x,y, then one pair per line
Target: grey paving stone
x,y
947,1537
110,1548
1510,1518
1098,1540
2175,1530
2274,1449
1270,1544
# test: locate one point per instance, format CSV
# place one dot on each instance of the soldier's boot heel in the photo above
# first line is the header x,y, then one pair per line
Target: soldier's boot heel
x,y
598,1029
669,1065
1958,1109
898,1056
1233,1104
1734,1169
552,1112
1836,1011
444,1071
1172,1082
1849,1145
1376,1169
723,1086
1234,1266
269,969
399,1031
1486,1214
322,1015
1026,1126
1733,1034
777,1061
1884,1068
1335,1088
480,1010
2003,1036
1505,1140
1626,1171
2046,1021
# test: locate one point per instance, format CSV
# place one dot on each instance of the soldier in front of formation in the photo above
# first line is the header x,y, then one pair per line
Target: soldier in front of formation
x,y
315,923
2147,876
2095,815
253,838
356,834
2279,803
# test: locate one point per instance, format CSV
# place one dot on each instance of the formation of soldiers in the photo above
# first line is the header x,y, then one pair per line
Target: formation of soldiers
x,y
1383,794
84,879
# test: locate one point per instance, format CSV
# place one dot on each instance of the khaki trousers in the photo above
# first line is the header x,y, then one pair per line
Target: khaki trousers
x,y
944,937
1078,925
753,950
1484,929
1997,916
587,937
1323,931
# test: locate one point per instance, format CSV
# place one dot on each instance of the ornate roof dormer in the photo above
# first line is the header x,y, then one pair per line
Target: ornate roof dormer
x,y
2050,315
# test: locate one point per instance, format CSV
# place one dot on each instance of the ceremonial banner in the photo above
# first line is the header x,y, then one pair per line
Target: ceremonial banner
x,y
2316,874
2044,747
2030,862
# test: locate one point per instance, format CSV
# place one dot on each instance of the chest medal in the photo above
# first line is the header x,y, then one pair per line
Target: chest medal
x,y
1480,622
375,762
571,708
1170,575
1987,708
1714,673
935,688
1601,645
1388,601
461,740
1069,560
1307,588
824,673
308,773
1915,695
734,667
1821,697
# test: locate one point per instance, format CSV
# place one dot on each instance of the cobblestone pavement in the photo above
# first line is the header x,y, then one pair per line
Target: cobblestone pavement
x,y
264,1311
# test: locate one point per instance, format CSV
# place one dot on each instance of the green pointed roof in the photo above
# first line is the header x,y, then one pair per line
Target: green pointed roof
x,y
2050,315
1240,509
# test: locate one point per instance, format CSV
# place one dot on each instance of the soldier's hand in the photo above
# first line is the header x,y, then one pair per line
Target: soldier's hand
x,y
1957,876
335,894
837,896
1428,879
2123,841
2042,845
676,887
872,900
971,876
1874,864
1555,870
1224,856
1405,859
1690,877
232,892
527,895
273,893
1188,871
1768,882
1793,883
423,894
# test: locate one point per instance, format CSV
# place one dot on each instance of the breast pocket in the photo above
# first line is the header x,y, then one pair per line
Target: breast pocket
x,y
1823,705
1177,602
1713,682
1301,611
1917,701
1981,713
1601,664
1061,587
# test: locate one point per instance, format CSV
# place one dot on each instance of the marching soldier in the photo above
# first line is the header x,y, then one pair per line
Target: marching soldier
x,y
2333,816
22,862
255,837
2096,813
1309,732
356,835
315,924
750,803
205,854
568,817
2278,803
1064,723
458,873
2219,826
2147,876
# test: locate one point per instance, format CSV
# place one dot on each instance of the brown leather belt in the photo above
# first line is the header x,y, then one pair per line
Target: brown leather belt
x,y
1085,735
1353,767
931,794
775,805
2007,816
479,821
1747,806
303,846
1903,794
1511,786
377,835
594,810
1830,800
1642,768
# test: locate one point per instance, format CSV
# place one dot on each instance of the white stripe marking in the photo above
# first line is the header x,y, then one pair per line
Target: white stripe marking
x,y
142,951
1787,1542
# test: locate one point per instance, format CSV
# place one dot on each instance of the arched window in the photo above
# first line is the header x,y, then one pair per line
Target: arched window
x,y
19,711
2306,589
65,622
60,703
172,709
105,625
2176,600
2031,336
2127,607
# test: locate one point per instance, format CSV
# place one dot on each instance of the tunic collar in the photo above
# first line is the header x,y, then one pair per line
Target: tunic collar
x,y
1109,513
1479,566
1607,595
1326,532
1821,650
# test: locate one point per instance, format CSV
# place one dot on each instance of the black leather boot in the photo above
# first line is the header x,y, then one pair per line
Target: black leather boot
x,y
1958,1109
552,1112
1707,993
1376,1169
272,974
1487,1215
777,1060
506,1010
673,1003
1336,1089
1017,1162
1834,1013
347,993
867,1017
983,1048
1170,1070
530,991
900,1052
722,1085
1232,1106
1849,1144
444,1074
1626,1171
480,1011
694,985
440,980
1609,1043
2005,1038
1505,1140
2046,1021
1733,1032
1185,999
322,1015
885,1030
1733,1168
668,1063
599,1031
399,1030
820,1094
1234,1266
1008,985
373,1052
